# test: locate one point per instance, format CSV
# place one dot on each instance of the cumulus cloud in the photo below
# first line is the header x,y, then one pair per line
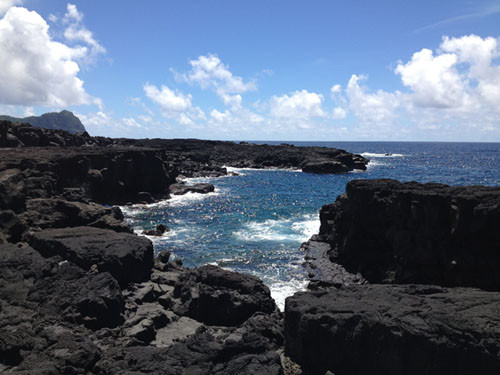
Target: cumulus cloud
x,y
167,99
434,80
209,72
479,54
455,87
299,105
76,32
339,113
373,107
174,104
35,69
5,5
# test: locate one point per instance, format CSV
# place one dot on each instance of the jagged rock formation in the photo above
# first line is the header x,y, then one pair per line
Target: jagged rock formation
x,y
80,293
196,158
64,120
393,232
381,233
57,317
391,330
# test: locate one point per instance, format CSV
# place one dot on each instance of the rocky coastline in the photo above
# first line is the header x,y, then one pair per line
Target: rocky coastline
x,y
81,294
403,280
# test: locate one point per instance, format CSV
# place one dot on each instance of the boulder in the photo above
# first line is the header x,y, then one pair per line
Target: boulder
x,y
12,189
181,189
325,166
393,232
215,296
386,329
59,213
159,231
129,258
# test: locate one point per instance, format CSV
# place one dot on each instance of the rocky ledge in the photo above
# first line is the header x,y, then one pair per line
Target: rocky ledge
x,y
385,231
82,299
193,157
403,280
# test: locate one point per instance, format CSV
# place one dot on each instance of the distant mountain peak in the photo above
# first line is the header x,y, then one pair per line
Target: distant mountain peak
x,y
64,120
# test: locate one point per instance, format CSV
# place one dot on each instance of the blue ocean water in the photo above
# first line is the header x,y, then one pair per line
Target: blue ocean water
x,y
255,222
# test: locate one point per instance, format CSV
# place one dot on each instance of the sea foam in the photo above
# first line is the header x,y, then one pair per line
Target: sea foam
x,y
375,155
293,229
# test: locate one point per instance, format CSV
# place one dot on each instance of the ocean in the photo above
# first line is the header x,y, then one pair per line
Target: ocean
x,y
255,222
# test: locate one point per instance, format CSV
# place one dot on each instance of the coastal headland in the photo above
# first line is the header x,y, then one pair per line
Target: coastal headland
x,y
402,275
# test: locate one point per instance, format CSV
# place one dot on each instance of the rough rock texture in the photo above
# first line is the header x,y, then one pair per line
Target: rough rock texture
x,y
127,257
56,318
192,157
214,296
384,232
103,174
46,307
181,189
386,329
393,232
59,213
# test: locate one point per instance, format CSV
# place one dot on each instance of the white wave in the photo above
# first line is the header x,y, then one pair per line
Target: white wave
x,y
280,290
239,170
293,229
386,155
174,201
188,198
374,163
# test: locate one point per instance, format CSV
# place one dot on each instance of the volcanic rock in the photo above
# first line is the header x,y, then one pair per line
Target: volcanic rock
x,y
215,296
159,231
129,258
387,329
393,232
181,189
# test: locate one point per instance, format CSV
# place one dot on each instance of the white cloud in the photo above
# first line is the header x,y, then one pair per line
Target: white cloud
x,y
174,104
219,116
210,73
336,89
434,80
105,124
299,105
232,100
72,14
339,113
76,32
371,107
452,93
168,100
5,5
131,122
35,69
479,54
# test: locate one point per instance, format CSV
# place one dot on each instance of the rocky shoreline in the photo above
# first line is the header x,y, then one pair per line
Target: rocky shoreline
x,y
404,280
80,293
396,269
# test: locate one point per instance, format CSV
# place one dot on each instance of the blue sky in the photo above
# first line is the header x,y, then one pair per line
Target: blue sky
x,y
257,70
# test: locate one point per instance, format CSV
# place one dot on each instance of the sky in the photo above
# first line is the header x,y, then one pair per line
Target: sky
x,y
257,70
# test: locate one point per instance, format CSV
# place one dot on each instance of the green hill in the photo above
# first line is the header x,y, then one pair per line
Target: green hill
x,y
64,120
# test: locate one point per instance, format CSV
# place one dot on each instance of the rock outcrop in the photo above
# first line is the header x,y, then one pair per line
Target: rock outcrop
x,y
394,275
392,330
60,316
393,232
193,157
129,258
214,296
